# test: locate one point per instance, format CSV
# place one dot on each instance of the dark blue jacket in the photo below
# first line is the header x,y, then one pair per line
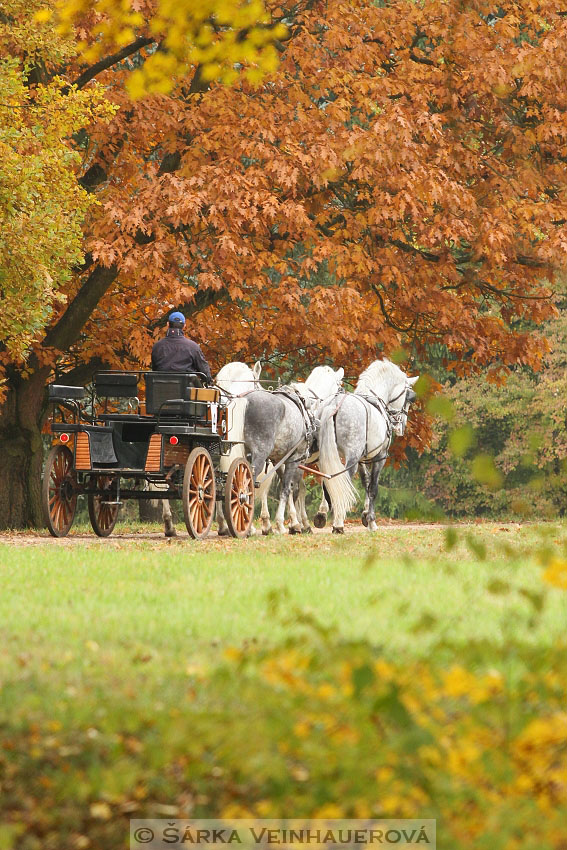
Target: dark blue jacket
x,y
176,353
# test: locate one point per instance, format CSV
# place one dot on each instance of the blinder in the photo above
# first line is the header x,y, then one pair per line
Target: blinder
x,y
399,417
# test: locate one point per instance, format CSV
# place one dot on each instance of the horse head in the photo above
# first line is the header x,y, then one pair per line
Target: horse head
x,y
323,382
390,384
399,404
236,378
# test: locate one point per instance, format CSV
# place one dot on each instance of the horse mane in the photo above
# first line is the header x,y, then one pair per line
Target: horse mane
x,y
380,372
229,370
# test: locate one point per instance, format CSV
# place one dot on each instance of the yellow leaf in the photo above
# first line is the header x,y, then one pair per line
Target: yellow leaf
x,y
100,811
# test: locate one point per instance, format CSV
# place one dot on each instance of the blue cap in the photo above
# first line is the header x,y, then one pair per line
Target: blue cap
x,y
177,317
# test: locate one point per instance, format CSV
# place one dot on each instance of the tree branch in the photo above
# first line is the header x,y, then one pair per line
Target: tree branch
x,y
203,298
108,61
66,331
387,318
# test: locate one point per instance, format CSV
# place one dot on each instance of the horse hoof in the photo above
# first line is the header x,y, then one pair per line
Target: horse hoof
x,y
320,521
338,530
295,529
372,526
224,532
170,533
364,519
307,530
266,531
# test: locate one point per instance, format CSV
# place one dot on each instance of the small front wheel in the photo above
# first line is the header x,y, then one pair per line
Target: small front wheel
x,y
102,513
59,491
199,493
239,498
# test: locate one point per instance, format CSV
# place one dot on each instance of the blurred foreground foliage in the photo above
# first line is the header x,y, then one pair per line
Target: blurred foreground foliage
x,y
319,726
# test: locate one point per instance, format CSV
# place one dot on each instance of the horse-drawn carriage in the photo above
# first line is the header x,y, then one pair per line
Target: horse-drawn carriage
x,y
110,444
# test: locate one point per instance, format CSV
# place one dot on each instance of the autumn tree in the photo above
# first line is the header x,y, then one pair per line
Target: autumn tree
x,y
44,196
42,206
398,180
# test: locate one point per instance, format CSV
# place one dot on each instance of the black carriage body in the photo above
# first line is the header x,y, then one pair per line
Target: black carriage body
x,y
119,444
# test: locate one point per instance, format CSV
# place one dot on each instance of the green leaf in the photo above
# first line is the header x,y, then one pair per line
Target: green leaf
x,y
440,406
393,707
461,439
362,677
536,599
399,356
450,538
476,547
422,386
484,471
425,623
498,587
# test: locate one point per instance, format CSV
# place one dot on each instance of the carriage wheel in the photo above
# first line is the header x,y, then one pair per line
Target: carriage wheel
x,y
199,493
59,491
102,515
239,498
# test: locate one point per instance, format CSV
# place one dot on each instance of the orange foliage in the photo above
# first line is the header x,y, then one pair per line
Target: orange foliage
x,y
399,179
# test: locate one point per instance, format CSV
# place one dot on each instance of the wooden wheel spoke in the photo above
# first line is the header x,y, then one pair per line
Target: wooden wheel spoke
x,y
239,498
199,493
199,519
103,517
59,491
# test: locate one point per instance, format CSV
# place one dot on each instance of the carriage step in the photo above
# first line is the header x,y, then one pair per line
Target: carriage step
x,y
112,503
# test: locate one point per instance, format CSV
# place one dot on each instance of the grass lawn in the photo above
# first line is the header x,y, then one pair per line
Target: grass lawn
x,y
118,611
399,588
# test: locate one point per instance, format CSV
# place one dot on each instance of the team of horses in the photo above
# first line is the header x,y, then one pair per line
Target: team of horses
x,y
314,425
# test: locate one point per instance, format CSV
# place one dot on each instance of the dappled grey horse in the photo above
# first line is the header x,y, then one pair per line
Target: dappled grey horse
x,y
356,431
280,427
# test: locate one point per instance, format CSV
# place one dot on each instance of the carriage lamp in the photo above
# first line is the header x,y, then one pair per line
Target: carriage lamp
x,y
173,441
64,438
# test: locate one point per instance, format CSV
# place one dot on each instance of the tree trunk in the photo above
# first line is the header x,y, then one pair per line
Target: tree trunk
x,y
21,452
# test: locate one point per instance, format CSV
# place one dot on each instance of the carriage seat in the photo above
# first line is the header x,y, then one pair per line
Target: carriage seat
x,y
116,384
162,387
55,391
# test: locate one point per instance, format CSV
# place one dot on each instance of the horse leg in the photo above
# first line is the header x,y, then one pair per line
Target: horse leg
x,y
320,519
302,510
265,514
220,518
287,482
294,524
365,478
167,517
372,492
258,465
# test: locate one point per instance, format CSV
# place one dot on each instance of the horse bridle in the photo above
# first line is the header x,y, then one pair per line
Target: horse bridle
x,y
394,415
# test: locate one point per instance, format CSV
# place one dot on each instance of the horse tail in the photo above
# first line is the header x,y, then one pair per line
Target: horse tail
x,y
340,487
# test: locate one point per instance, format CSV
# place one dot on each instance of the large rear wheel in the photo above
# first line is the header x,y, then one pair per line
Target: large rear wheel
x,y
102,513
59,491
199,493
239,498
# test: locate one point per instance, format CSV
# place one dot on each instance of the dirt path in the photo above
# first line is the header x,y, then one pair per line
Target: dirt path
x,y
30,538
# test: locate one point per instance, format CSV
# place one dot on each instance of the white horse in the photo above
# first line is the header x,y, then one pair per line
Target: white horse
x,y
234,380
359,427
276,430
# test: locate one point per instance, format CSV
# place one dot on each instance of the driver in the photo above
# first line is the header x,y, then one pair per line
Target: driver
x,y
176,353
